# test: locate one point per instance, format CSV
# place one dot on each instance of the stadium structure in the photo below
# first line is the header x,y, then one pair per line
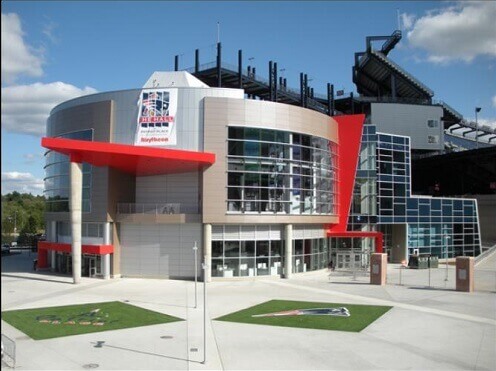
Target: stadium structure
x,y
217,163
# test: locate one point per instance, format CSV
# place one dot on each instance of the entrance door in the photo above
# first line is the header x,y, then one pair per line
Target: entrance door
x,y
89,266
92,266
353,261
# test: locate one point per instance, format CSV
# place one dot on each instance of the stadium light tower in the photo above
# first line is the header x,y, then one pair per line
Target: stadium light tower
x,y
477,110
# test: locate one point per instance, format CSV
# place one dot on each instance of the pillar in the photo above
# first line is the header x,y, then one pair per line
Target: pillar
x,y
240,69
105,261
42,259
271,81
378,269
393,87
75,202
275,81
197,60
465,273
288,256
219,62
207,251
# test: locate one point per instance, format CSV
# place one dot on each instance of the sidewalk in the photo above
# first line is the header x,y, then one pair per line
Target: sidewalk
x,y
433,328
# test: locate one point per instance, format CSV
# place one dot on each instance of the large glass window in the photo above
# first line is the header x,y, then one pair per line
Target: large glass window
x,y
57,182
271,171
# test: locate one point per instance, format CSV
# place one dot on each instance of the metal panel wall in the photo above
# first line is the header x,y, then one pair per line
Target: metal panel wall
x,y
171,188
412,121
189,116
164,251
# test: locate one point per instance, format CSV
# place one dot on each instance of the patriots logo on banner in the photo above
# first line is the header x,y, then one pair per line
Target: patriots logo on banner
x,y
155,104
156,118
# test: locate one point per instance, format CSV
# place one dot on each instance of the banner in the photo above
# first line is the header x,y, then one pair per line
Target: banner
x,y
157,118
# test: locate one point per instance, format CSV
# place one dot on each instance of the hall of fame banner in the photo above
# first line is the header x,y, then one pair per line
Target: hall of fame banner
x,y
156,124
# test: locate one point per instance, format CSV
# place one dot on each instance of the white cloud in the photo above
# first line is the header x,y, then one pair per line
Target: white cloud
x,y
21,182
486,122
49,31
460,32
407,21
25,108
18,58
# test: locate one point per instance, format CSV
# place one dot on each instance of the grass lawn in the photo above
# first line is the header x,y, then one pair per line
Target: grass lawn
x,y
53,322
360,315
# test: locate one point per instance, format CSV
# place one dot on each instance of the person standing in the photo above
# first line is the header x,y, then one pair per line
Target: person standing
x,y
330,268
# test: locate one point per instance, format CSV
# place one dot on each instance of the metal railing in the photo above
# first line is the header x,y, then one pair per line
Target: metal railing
x,y
8,351
153,209
490,251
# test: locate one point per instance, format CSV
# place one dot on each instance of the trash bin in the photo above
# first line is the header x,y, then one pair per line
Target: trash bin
x,y
433,262
423,262
413,262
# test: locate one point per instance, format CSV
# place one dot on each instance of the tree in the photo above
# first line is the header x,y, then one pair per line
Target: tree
x,y
24,211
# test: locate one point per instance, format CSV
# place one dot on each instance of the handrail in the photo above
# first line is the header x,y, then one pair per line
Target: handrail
x,y
481,257
149,208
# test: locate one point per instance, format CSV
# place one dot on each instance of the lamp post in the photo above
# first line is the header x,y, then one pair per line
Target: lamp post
x,y
205,267
195,249
477,110
446,257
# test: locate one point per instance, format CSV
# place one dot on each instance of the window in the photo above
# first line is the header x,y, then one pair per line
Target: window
x,y
433,139
432,123
271,171
57,183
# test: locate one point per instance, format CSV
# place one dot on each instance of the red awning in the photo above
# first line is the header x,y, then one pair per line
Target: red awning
x,y
137,160
85,249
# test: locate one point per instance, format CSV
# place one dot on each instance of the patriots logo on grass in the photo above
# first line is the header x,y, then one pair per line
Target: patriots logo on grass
x,y
338,312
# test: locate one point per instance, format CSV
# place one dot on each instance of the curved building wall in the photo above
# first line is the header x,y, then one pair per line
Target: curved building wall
x,y
151,247
189,115
222,114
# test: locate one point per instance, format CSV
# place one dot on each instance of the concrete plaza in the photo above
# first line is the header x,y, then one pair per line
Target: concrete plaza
x,y
430,327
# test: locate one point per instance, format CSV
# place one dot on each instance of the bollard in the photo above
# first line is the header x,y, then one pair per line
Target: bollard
x,y
465,273
378,267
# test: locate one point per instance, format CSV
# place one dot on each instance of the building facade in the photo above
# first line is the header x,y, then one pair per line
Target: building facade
x,y
253,183
136,179
382,200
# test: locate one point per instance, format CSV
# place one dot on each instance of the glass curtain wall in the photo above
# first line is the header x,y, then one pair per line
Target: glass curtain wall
x,y
271,171
258,250
363,211
310,254
57,177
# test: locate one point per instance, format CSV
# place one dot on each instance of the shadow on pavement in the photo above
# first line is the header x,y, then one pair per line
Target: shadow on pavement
x,y
101,344
350,283
36,278
430,288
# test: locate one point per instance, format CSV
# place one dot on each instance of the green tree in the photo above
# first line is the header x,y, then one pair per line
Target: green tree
x,y
23,211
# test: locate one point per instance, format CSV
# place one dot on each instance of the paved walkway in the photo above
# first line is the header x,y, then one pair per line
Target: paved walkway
x,y
431,327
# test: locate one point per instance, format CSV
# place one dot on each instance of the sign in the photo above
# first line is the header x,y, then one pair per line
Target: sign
x,y
156,124
339,93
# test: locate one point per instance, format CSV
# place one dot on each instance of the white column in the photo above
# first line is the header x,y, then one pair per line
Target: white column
x,y
75,203
288,259
207,250
105,261
105,266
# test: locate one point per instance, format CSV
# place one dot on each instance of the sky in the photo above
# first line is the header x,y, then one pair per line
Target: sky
x,y
53,51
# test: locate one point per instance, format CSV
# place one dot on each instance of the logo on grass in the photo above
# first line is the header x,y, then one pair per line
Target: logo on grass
x,y
91,318
337,312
